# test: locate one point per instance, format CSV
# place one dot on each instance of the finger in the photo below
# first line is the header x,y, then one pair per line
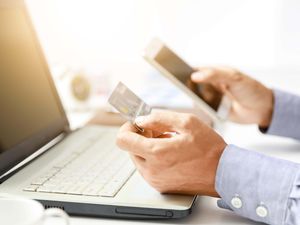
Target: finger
x,y
215,75
129,140
167,135
139,162
128,127
147,133
134,143
137,159
208,75
156,134
227,92
162,121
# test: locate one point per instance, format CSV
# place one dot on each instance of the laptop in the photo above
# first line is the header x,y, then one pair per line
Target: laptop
x,y
80,171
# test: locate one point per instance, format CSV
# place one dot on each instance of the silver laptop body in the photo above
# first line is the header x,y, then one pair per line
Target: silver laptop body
x,y
81,171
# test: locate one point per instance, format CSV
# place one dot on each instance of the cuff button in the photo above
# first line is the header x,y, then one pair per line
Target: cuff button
x,y
261,211
236,202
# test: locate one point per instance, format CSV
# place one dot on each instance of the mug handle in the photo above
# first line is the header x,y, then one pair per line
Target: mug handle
x,y
54,212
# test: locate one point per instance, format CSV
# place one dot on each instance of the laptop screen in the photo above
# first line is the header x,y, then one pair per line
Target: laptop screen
x,y
31,113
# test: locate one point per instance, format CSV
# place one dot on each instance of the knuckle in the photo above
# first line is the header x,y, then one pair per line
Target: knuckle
x,y
149,146
156,151
159,154
211,73
155,115
120,140
236,75
189,120
157,120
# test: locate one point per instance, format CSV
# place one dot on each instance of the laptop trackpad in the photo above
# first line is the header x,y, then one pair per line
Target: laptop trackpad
x,y
138,191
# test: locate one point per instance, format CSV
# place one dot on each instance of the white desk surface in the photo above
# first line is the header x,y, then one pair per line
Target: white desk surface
x,y
205,210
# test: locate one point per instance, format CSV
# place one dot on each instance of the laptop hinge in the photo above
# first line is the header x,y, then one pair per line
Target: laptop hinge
x,y
33,156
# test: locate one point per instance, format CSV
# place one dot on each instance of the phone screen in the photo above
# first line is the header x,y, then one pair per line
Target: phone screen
x,y
182,71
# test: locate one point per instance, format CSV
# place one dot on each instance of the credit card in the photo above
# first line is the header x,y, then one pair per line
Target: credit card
x,y
128,104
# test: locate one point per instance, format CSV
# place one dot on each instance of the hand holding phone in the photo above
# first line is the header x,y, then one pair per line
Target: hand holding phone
x,y
208,98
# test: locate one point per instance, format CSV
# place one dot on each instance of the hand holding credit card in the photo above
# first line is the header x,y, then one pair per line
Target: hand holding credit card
x,y
128,104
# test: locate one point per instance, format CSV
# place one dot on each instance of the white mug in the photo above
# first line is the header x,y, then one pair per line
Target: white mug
x,y
20,211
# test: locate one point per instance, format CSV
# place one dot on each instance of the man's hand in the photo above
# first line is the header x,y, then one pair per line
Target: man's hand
x,y
252,102
177,154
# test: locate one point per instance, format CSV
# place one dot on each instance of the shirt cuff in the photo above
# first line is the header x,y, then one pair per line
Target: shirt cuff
x,y
293,216
254,185
285,119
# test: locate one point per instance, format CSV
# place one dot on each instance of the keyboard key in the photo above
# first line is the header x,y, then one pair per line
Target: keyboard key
x,y
60,189
76,190
65,161
39,181
45,189
92,190
31,188
110,190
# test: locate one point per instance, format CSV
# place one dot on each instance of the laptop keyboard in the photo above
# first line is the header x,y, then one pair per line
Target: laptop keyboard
x,y
87,171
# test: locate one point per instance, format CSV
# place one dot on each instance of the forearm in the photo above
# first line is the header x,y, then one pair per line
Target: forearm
x,y
286,115
259,187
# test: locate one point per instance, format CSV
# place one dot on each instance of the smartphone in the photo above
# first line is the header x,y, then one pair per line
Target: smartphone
x,y
169,64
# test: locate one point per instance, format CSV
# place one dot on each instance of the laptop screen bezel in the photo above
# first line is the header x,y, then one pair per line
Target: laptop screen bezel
x,y
16,154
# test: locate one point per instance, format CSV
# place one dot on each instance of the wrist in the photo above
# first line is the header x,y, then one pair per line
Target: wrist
x,y
268,110
218,155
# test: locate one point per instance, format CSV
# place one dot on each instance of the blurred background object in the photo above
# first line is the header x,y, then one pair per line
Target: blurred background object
x,y
85,89
100,42
247,33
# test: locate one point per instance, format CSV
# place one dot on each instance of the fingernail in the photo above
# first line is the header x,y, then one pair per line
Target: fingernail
x,y
139,120
197,75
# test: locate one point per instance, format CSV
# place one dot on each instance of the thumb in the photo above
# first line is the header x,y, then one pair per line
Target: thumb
x,y
160,121
198,76
213,76
227,92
